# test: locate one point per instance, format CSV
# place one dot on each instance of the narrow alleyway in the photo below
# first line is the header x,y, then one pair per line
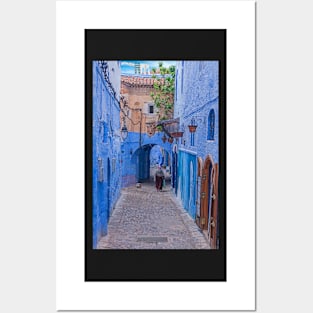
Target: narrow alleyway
x,y
146,219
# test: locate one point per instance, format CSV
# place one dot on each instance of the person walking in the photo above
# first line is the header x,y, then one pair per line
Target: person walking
x,y
159,177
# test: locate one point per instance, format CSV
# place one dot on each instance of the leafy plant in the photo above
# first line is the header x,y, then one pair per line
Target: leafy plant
x,y
164,87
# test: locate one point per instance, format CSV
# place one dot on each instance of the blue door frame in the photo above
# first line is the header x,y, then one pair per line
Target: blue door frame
x,y
187,176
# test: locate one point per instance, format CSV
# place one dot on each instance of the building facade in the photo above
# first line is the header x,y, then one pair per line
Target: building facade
x,y
140,114
192,160
106,138
195,157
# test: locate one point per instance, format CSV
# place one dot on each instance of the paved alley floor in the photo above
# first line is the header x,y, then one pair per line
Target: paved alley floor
x,y
146,219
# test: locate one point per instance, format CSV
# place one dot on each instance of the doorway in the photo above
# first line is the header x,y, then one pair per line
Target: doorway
x,y
213,231
206,193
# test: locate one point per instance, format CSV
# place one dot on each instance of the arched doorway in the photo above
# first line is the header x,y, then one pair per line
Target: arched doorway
x,y
206,193
209,200
213,226
156,156
143,163
159,156
146,161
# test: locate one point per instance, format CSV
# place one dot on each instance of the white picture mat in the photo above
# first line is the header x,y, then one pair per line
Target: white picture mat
x,y
238,293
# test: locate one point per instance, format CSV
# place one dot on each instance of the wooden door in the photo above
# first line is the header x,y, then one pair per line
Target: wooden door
x,y
205,194
214,212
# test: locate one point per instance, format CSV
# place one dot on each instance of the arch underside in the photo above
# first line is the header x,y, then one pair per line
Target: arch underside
x,y
142,161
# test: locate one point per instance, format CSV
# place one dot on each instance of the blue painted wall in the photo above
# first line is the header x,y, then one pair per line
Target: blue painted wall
x,y
187,178
107,171
197,93
156,156
118,164
136,160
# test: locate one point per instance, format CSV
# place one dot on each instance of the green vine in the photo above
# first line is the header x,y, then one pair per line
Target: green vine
x,y
163,94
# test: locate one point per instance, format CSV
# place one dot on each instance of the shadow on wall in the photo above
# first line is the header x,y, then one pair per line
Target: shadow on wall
x,y
141,161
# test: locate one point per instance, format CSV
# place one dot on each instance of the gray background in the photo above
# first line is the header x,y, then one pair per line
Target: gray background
x,y
284,154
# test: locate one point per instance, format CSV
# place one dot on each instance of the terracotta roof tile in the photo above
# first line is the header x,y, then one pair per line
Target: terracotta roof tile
x,y
138,81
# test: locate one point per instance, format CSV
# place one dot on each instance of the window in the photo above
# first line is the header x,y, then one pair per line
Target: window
x,y
211,125
151,108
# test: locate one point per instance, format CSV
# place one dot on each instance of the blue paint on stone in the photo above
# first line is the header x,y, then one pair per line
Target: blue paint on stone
x,y
118,164
156,156
137,158
187,181
106,157
197,95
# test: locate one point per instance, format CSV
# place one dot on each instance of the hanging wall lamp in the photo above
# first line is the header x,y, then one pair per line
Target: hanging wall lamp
x,y
124,131
193,126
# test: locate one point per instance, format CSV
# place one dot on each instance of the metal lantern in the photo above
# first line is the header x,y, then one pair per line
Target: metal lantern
x,y
124,132
193,126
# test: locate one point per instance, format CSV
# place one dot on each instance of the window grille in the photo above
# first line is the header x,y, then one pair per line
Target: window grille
x,y
211,125
151,109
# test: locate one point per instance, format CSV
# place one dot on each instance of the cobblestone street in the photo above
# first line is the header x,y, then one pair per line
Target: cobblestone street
x,y
146,219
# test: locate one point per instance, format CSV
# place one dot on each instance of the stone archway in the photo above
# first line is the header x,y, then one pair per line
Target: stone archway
x,y
142,160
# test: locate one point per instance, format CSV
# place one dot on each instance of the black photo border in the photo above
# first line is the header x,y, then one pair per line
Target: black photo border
x,y
155,265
